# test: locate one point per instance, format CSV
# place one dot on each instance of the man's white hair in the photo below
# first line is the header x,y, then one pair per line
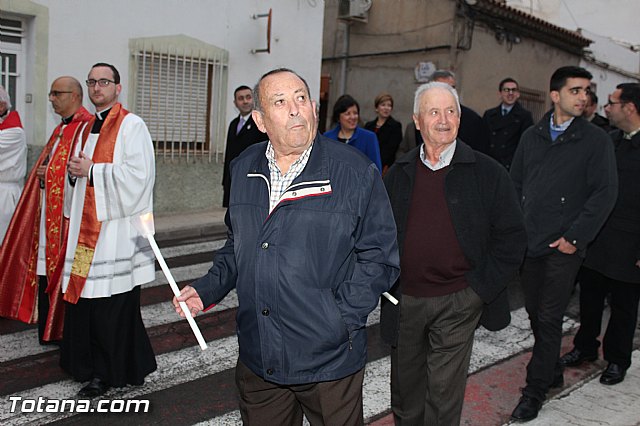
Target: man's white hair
x,y
428,86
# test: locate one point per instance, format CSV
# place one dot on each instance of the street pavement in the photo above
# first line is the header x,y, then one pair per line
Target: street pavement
x,y
197,387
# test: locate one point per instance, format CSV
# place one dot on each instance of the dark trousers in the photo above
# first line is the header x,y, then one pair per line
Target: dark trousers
x,y
337,402
547,283
429,365
618,339
105,338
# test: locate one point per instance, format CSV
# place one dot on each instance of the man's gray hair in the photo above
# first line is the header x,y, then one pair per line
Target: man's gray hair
x,y
433,85
256,90
4,97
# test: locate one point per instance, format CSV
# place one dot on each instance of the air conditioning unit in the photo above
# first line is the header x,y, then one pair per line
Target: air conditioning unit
x,y
354,10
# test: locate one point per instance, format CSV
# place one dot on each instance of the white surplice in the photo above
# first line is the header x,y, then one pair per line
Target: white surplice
x,y
13,168
123,258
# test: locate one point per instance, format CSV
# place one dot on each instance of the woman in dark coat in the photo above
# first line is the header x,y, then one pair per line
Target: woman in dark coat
x,y
388,130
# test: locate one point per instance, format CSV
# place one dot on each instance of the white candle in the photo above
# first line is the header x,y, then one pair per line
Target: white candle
x,y
390,298
144,224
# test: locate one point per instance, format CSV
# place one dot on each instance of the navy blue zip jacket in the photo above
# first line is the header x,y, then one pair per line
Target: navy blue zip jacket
x,y
308,274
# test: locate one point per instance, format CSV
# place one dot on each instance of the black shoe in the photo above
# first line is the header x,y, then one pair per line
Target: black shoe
x,y
613,374
558,381
96,387
527,409
576,357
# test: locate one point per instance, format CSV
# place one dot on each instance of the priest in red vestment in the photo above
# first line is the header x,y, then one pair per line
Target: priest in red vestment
x,y
32,258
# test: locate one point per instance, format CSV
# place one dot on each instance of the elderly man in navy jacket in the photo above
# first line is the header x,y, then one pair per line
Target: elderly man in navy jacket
x,y
311,247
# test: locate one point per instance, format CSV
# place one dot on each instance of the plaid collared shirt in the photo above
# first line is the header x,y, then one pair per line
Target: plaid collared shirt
x,y
280,182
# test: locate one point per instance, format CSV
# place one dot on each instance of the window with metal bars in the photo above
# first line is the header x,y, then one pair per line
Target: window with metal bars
x,y
179,93
11,34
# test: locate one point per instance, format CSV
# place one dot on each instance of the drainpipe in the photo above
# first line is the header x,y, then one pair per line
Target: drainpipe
x,y
343,64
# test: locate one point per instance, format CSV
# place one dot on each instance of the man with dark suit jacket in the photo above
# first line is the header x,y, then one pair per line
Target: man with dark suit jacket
x,y
612,266
242,133
506,122
591,115
472,130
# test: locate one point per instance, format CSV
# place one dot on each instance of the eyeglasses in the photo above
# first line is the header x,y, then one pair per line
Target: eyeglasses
x,y
609,103
510,90
103,82
56,93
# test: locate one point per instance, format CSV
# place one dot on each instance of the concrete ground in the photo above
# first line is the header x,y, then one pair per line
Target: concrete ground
x,y
495,389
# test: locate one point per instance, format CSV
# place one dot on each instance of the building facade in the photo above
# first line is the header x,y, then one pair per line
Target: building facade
x,y
395,44
180,61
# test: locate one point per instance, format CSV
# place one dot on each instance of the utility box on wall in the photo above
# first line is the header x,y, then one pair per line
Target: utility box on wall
x,y
354,10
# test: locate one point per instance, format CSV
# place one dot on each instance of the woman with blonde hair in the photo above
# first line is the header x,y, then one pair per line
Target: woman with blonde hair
x,y
388,130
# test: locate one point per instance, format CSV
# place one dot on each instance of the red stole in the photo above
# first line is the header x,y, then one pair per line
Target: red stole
x,y
18,258
12,120
90,226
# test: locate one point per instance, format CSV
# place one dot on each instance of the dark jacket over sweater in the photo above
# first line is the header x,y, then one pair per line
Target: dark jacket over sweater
x,y
506,131
487,221
567,188
616,249
308,273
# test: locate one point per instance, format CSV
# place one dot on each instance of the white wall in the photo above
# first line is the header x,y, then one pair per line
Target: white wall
x,y
83,32
611,24
613,18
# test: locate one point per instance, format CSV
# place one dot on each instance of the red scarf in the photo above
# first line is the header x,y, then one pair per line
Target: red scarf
x,y
90,225
12,120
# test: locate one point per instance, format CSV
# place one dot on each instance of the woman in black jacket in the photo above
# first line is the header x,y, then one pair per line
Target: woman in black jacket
x,y
388,130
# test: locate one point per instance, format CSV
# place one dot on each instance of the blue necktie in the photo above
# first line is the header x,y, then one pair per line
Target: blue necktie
x,y
240,124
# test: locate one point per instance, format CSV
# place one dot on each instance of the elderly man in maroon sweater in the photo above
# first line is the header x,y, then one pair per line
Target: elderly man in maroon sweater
x,y
462,238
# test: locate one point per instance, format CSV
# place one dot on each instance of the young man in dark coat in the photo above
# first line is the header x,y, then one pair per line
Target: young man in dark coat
x,y
242,133
565,173
506,122
461,238
612,265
